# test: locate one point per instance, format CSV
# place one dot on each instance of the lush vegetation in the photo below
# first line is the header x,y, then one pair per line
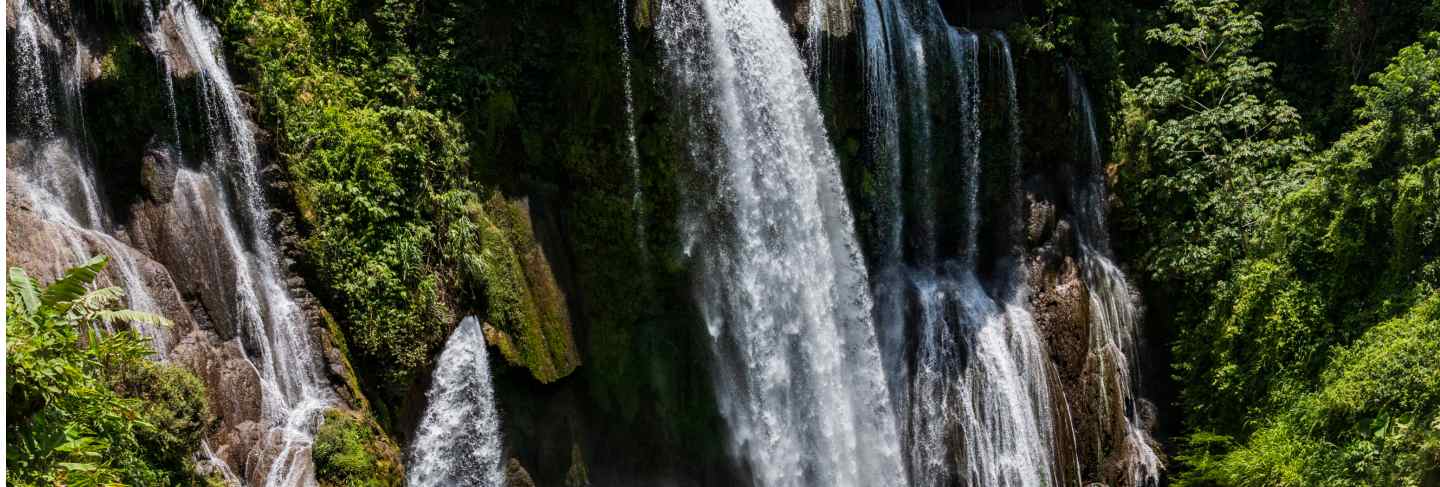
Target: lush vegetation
x,y
450,158
349,450
1276,178
385,181
85,406
1300,271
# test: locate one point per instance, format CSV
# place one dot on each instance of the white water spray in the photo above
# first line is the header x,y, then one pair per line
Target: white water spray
x,y
782,287
458,440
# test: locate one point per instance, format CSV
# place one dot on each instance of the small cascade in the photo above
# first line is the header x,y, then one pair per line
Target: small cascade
x,y
32,96
887,210
273,327
632,145
823,18
458,440
1114,315
155,41
1012,97
781,283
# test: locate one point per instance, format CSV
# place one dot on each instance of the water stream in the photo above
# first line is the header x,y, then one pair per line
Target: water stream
x,y
272,324
458,440
1114,314
781,283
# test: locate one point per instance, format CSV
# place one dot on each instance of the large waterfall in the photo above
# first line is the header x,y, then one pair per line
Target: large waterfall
x,y
782,287
458,440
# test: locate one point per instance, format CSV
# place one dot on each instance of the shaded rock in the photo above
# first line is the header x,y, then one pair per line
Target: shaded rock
x,y
578,475
516,476
157,172
1041,222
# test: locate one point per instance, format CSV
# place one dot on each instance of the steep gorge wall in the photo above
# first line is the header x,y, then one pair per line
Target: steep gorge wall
x,y
632,398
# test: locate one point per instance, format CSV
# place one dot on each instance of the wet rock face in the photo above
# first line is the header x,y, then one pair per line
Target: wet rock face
x,y
232,385
187,236
234,390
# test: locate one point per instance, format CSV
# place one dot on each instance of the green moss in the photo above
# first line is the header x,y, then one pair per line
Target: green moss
x,y
173,406
523,301
352,451
578,475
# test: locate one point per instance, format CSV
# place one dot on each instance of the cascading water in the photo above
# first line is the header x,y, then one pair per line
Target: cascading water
x,y
1114,316
53,172
967,367
632,148
1007,65
458,440
781,284
272,324
823,18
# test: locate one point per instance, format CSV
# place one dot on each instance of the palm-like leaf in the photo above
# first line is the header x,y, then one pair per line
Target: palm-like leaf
x,y
100,299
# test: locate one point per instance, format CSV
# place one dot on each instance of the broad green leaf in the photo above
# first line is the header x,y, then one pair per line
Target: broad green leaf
x,y
24,288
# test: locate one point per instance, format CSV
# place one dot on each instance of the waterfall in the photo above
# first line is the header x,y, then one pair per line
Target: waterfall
x,y
822,18
632,155
963,359
1012,97
32,96
980,377
780,281
458,440
272,324
1114,315
53,172
887,211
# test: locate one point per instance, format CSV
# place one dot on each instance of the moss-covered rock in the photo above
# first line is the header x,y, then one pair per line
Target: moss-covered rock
x,y
516,476
173,409
351,450
527,318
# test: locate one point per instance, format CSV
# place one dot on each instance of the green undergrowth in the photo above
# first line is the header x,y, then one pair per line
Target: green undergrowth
x,y
352,451
85,406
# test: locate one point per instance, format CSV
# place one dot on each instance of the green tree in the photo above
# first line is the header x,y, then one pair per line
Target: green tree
x,y
1314,363
1200,143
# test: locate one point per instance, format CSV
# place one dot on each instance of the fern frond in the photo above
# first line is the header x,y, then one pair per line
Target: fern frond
x,y
72,285
132,316
101,298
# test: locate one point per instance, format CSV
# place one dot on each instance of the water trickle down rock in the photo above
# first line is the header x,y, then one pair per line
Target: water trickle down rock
x,y
227,190
1111,368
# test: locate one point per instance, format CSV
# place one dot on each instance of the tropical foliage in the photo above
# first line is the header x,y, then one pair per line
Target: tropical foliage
x,y
1303,282
84,405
